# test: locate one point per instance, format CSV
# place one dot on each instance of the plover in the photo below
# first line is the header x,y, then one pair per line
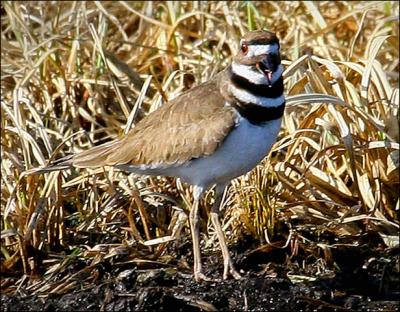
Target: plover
x,y
207,136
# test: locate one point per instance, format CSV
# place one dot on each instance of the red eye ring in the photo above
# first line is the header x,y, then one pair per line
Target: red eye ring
x,y
244,48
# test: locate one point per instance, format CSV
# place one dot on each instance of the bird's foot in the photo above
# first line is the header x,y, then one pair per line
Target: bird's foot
x,y
199,277
230,269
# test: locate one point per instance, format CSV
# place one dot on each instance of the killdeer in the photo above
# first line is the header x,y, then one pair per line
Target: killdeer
x,y
208,135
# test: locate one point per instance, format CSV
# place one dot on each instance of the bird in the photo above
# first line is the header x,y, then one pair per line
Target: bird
x,y
207,136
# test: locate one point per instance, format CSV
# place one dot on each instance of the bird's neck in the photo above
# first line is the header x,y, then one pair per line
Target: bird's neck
x,y
252,97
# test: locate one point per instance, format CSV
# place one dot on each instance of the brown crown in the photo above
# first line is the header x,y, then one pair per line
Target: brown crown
x,y
260,37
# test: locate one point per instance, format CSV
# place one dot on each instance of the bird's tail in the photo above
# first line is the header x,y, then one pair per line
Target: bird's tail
x,y
94,157
97,156
59,164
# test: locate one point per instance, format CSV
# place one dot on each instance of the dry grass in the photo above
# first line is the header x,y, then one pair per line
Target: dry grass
x,y
76,74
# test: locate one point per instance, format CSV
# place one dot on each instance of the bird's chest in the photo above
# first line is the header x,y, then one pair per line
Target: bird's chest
x,y
248,144
240,152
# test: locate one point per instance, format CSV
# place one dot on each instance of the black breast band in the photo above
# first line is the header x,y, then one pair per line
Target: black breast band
x,y
257,114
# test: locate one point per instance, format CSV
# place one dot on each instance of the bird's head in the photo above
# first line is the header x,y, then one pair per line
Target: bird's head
x,y
259,56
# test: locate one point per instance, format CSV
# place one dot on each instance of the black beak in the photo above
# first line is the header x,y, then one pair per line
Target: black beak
x,y
270,62
268,65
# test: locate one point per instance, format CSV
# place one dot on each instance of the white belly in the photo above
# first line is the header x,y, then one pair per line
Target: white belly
x,y
242,150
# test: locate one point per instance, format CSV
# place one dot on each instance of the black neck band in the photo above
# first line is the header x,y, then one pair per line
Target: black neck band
x,y
273,91
257,114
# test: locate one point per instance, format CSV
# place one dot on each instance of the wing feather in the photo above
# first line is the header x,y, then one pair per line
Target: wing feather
x,y
191,126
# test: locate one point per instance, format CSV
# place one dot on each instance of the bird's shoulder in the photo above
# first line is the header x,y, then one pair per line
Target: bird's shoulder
x,y
190,126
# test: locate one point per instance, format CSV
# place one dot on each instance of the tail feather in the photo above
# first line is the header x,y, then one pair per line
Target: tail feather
x,y
96,156
93,157
59,164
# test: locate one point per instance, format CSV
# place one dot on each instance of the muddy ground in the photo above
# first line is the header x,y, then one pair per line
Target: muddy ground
x,y
356,278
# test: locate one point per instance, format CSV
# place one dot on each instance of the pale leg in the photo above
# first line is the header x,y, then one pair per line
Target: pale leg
x,y
195,229
228,264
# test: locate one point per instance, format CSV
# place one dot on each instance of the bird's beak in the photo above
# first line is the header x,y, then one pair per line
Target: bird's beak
x,y
267,65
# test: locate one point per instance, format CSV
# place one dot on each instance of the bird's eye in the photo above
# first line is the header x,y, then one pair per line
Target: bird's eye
x,y
244,48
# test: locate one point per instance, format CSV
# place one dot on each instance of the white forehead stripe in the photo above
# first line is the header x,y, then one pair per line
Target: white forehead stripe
x,y
255,50
259,49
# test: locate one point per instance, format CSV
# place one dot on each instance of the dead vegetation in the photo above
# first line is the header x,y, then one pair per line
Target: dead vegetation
x,y
76,74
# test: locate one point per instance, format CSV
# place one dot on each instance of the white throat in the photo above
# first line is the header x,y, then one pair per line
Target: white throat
x,y
255,76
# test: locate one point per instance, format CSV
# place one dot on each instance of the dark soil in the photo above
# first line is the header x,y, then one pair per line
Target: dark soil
x,y
363,280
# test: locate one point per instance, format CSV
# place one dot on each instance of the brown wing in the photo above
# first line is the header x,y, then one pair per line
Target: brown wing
x,y
190,126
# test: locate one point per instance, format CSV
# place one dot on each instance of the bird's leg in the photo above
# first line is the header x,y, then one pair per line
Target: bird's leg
x,y
195,229
228,264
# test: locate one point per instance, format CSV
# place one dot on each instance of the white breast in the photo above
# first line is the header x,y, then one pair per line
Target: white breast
x,y
241,151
